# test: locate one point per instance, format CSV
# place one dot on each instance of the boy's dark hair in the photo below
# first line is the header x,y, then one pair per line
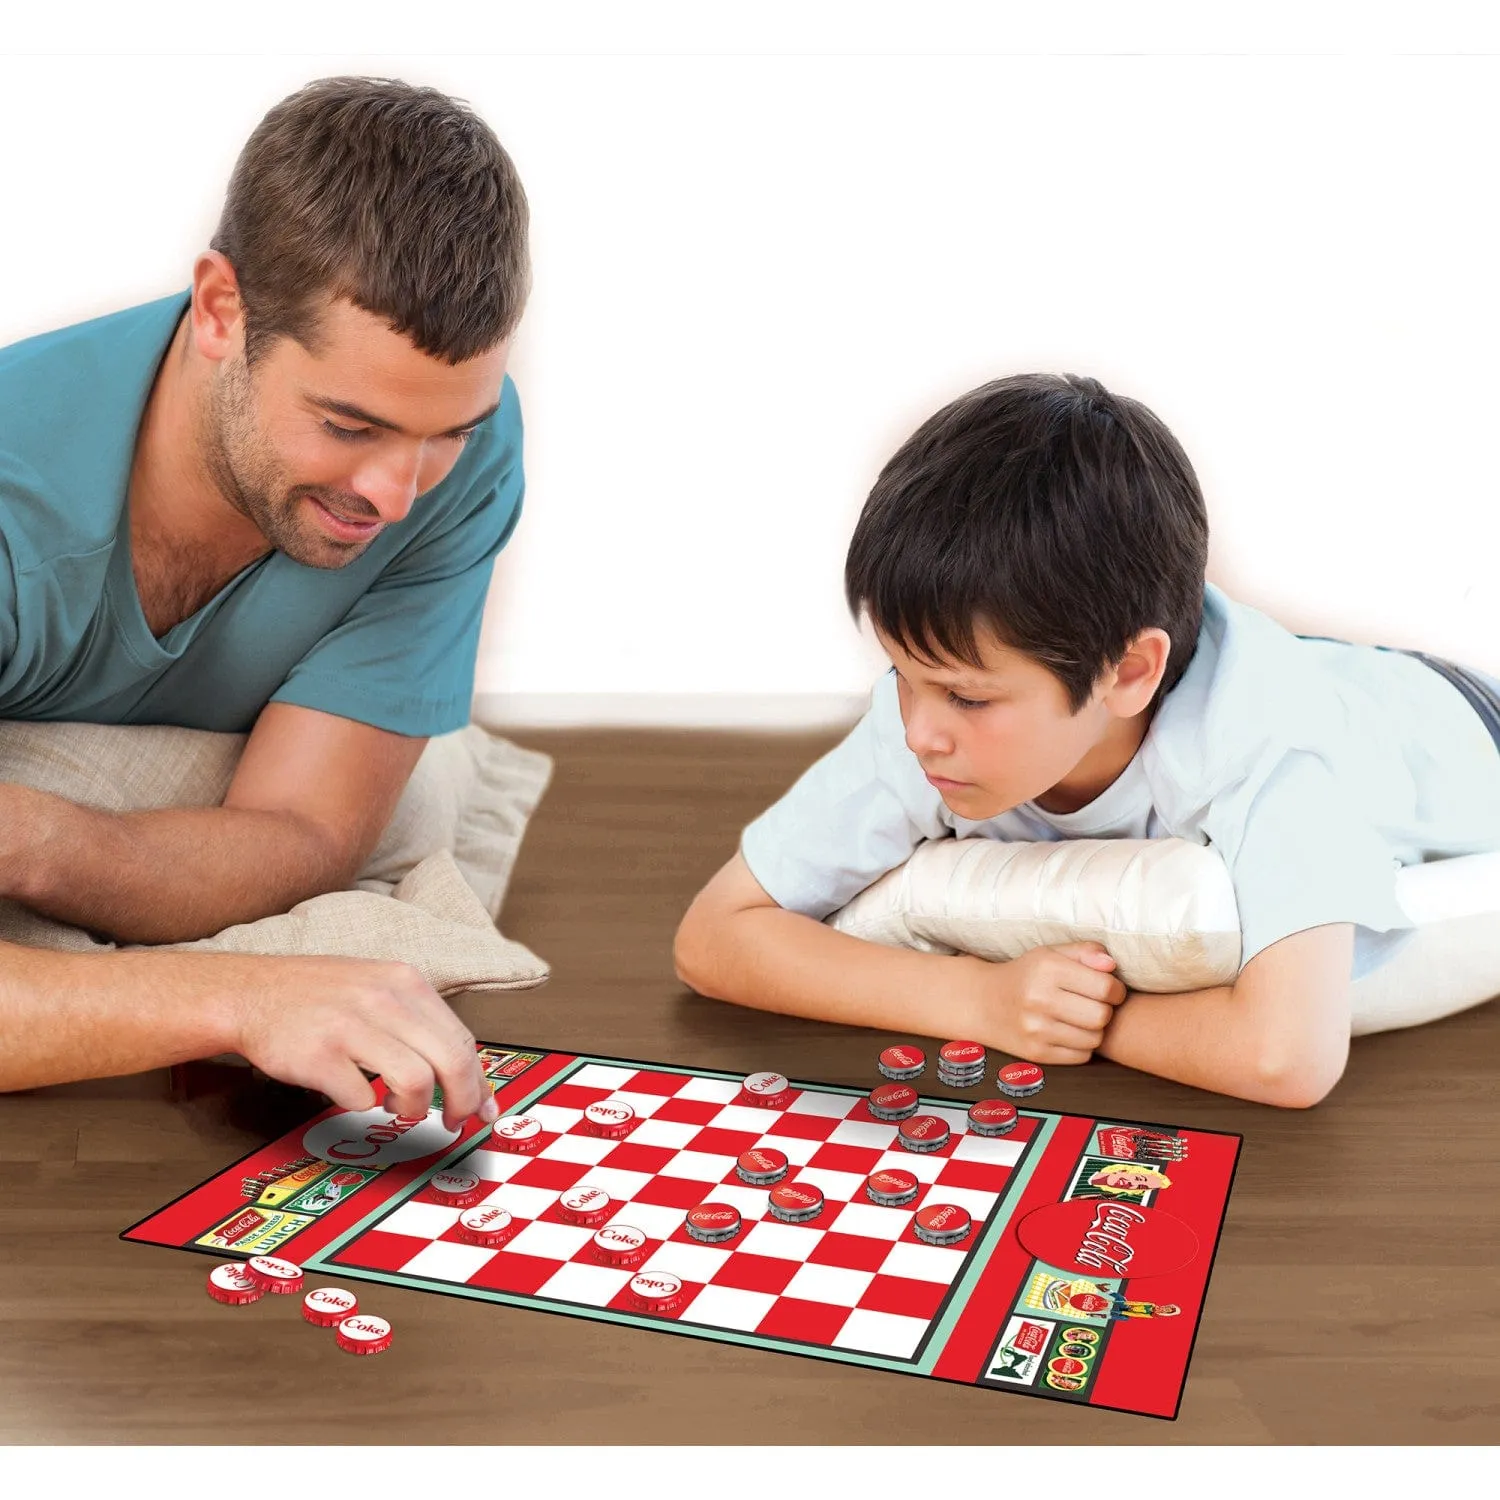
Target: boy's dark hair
x,y
394,197
1064,518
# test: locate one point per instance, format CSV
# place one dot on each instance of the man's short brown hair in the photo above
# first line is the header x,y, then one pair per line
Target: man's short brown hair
x,y
396,198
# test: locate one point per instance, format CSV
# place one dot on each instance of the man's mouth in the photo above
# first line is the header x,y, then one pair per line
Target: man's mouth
x,y
343,527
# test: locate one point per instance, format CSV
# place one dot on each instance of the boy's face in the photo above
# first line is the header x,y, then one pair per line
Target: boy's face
x,y
993,738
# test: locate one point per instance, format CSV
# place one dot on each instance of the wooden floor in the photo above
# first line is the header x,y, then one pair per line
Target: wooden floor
x,y
1356,1297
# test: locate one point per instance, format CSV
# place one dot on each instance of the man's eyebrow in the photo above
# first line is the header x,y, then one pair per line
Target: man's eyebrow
x,y
359,414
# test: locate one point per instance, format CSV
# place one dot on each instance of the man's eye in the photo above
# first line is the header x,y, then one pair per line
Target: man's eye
x,y
345,434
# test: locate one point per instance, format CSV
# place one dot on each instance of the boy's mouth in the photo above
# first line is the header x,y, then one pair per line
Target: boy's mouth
x,y
945,784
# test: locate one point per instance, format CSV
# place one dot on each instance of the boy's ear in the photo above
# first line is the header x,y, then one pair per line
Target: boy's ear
x,y
1138,673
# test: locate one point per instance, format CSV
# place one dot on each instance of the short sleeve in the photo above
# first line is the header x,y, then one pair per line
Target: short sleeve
x,y
849,818
1302,855
403,656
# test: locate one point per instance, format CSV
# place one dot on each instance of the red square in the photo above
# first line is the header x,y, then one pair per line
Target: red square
x,y
508,1271
687,1111
379,1251
808,1322
805,1127
544,1172
632,1158
984,1177
832,1158
573,1096
756,1273
647,1082
673,1192
719,1142
899,1294
855,1252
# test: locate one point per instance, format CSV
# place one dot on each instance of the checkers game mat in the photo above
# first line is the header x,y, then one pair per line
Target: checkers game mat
x,y
1082,1278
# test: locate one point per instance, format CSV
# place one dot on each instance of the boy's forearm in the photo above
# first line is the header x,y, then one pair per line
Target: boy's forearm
x,y
776,960
163,876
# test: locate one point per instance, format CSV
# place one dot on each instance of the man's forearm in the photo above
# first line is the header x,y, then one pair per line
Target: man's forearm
x,y
163,876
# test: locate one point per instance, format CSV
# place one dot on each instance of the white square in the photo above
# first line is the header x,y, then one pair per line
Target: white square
x,y
992,1149
881,1333
598,1076
690,1262
815,1102
841,1187
645,1105
728,1307
872,1221
522,1202
869,1133
698,1166
443,1260
957,1120
924,1263
980,1205
549,1241
748,1117
710,1090
673,1134
498,1166
654,1220
554,1118
924,1168
594,1286
797,1150
617,1182
832,1286
423,1221
783,1241
589,1150
751,1202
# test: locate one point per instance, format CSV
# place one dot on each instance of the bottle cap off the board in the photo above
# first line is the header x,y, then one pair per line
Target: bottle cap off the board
x,y
328,1306
363,1334
280,1277
231,1283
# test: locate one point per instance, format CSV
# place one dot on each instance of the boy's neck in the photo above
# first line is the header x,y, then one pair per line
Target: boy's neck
x,y
1100,768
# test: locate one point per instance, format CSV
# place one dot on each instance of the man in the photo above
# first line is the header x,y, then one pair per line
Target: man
x,y
270,504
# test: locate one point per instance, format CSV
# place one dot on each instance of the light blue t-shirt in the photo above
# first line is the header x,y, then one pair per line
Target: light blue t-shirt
x,y
389,639
1316,768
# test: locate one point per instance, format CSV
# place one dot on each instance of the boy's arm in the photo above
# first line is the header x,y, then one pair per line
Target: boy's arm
x,y
1278,1035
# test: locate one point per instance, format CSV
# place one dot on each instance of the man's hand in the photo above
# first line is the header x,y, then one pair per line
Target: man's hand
x,y
319,1022
1050,1006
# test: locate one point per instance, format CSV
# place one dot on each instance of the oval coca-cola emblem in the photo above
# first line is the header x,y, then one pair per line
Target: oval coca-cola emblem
x,y
1108,1238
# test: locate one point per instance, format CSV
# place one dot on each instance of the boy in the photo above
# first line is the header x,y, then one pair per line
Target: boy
x,y
1032,561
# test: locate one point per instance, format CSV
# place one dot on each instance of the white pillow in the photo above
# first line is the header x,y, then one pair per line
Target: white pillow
x,y
1165,910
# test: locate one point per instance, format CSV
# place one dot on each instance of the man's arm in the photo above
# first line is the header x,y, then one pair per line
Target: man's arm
x,y
1278,1035
308,803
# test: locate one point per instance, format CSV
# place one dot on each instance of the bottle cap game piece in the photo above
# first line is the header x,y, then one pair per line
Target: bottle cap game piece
x,y
992,1117
902,1063
657,1291
458,1187
521,1133
328,1306
363,1334
585,1205
770,1089
923,1133
893,1101
1020,1079
942,1223
761,1165
891,1187
960,1057
620,1245
713,1223
611,1118
280,1277
796,1202
231,1283
489,1226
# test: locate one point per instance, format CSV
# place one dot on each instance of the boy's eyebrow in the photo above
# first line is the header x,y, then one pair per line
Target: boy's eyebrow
x,y
359,414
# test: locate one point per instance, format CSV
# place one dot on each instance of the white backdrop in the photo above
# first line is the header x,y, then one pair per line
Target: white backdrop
x,y
756,274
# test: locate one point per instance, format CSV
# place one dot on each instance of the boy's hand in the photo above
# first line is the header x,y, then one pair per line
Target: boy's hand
x,y
1049,1006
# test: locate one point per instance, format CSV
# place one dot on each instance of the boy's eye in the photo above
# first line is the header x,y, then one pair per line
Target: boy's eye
x,y
958,702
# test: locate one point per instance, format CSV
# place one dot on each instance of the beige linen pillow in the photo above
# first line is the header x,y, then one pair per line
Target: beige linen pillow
x,y
1165,911
428,895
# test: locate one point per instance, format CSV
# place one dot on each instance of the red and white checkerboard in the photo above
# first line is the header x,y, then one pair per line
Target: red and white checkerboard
x,y
855,1278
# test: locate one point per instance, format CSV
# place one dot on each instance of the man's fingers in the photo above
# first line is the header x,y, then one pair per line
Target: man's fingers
x,y
348,1087
407,1075
448,1045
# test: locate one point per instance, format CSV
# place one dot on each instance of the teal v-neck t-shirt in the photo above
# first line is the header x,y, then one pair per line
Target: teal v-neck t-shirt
x,y
389,639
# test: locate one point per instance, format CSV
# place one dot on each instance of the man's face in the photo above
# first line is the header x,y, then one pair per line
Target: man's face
x,y
323,451
993,738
